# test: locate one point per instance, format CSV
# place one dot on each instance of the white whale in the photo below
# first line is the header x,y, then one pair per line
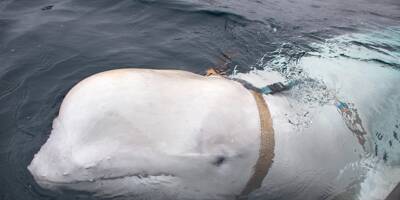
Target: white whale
x,y
166,134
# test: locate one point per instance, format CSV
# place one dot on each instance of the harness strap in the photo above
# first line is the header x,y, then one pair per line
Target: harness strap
x,y
269,89
274,88
267,145
267,140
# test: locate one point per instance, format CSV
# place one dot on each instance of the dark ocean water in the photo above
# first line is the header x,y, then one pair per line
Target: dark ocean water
x,y
47,46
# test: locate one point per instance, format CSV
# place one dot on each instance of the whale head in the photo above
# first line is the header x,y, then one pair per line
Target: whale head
x,y
127,144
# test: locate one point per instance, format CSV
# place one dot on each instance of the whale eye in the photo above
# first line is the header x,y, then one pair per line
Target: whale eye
x,y
219,160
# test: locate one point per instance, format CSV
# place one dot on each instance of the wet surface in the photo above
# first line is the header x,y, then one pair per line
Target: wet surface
x,y
48,46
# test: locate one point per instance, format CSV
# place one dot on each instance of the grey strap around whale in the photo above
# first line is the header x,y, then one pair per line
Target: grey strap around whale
x,y
268,89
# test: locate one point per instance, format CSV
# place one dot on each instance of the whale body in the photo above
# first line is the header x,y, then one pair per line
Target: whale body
x,y
167,134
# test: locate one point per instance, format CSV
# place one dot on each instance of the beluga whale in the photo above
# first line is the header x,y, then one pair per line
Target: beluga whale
x,y
171,134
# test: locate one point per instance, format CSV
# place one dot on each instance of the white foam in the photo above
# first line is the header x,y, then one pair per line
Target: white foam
x,y
349,68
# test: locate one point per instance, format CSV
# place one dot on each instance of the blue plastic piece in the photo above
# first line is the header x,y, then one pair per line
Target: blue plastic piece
x,y
266,90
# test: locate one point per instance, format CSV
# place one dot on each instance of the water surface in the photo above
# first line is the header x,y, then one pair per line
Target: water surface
x,y
47,46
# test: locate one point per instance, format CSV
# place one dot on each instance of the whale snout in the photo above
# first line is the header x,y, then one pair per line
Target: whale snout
x,y
47,170
42,171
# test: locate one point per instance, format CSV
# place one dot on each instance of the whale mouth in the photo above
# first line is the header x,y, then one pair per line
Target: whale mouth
x,y
142,175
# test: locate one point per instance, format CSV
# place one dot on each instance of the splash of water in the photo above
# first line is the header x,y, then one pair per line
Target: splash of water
x,y
363,70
